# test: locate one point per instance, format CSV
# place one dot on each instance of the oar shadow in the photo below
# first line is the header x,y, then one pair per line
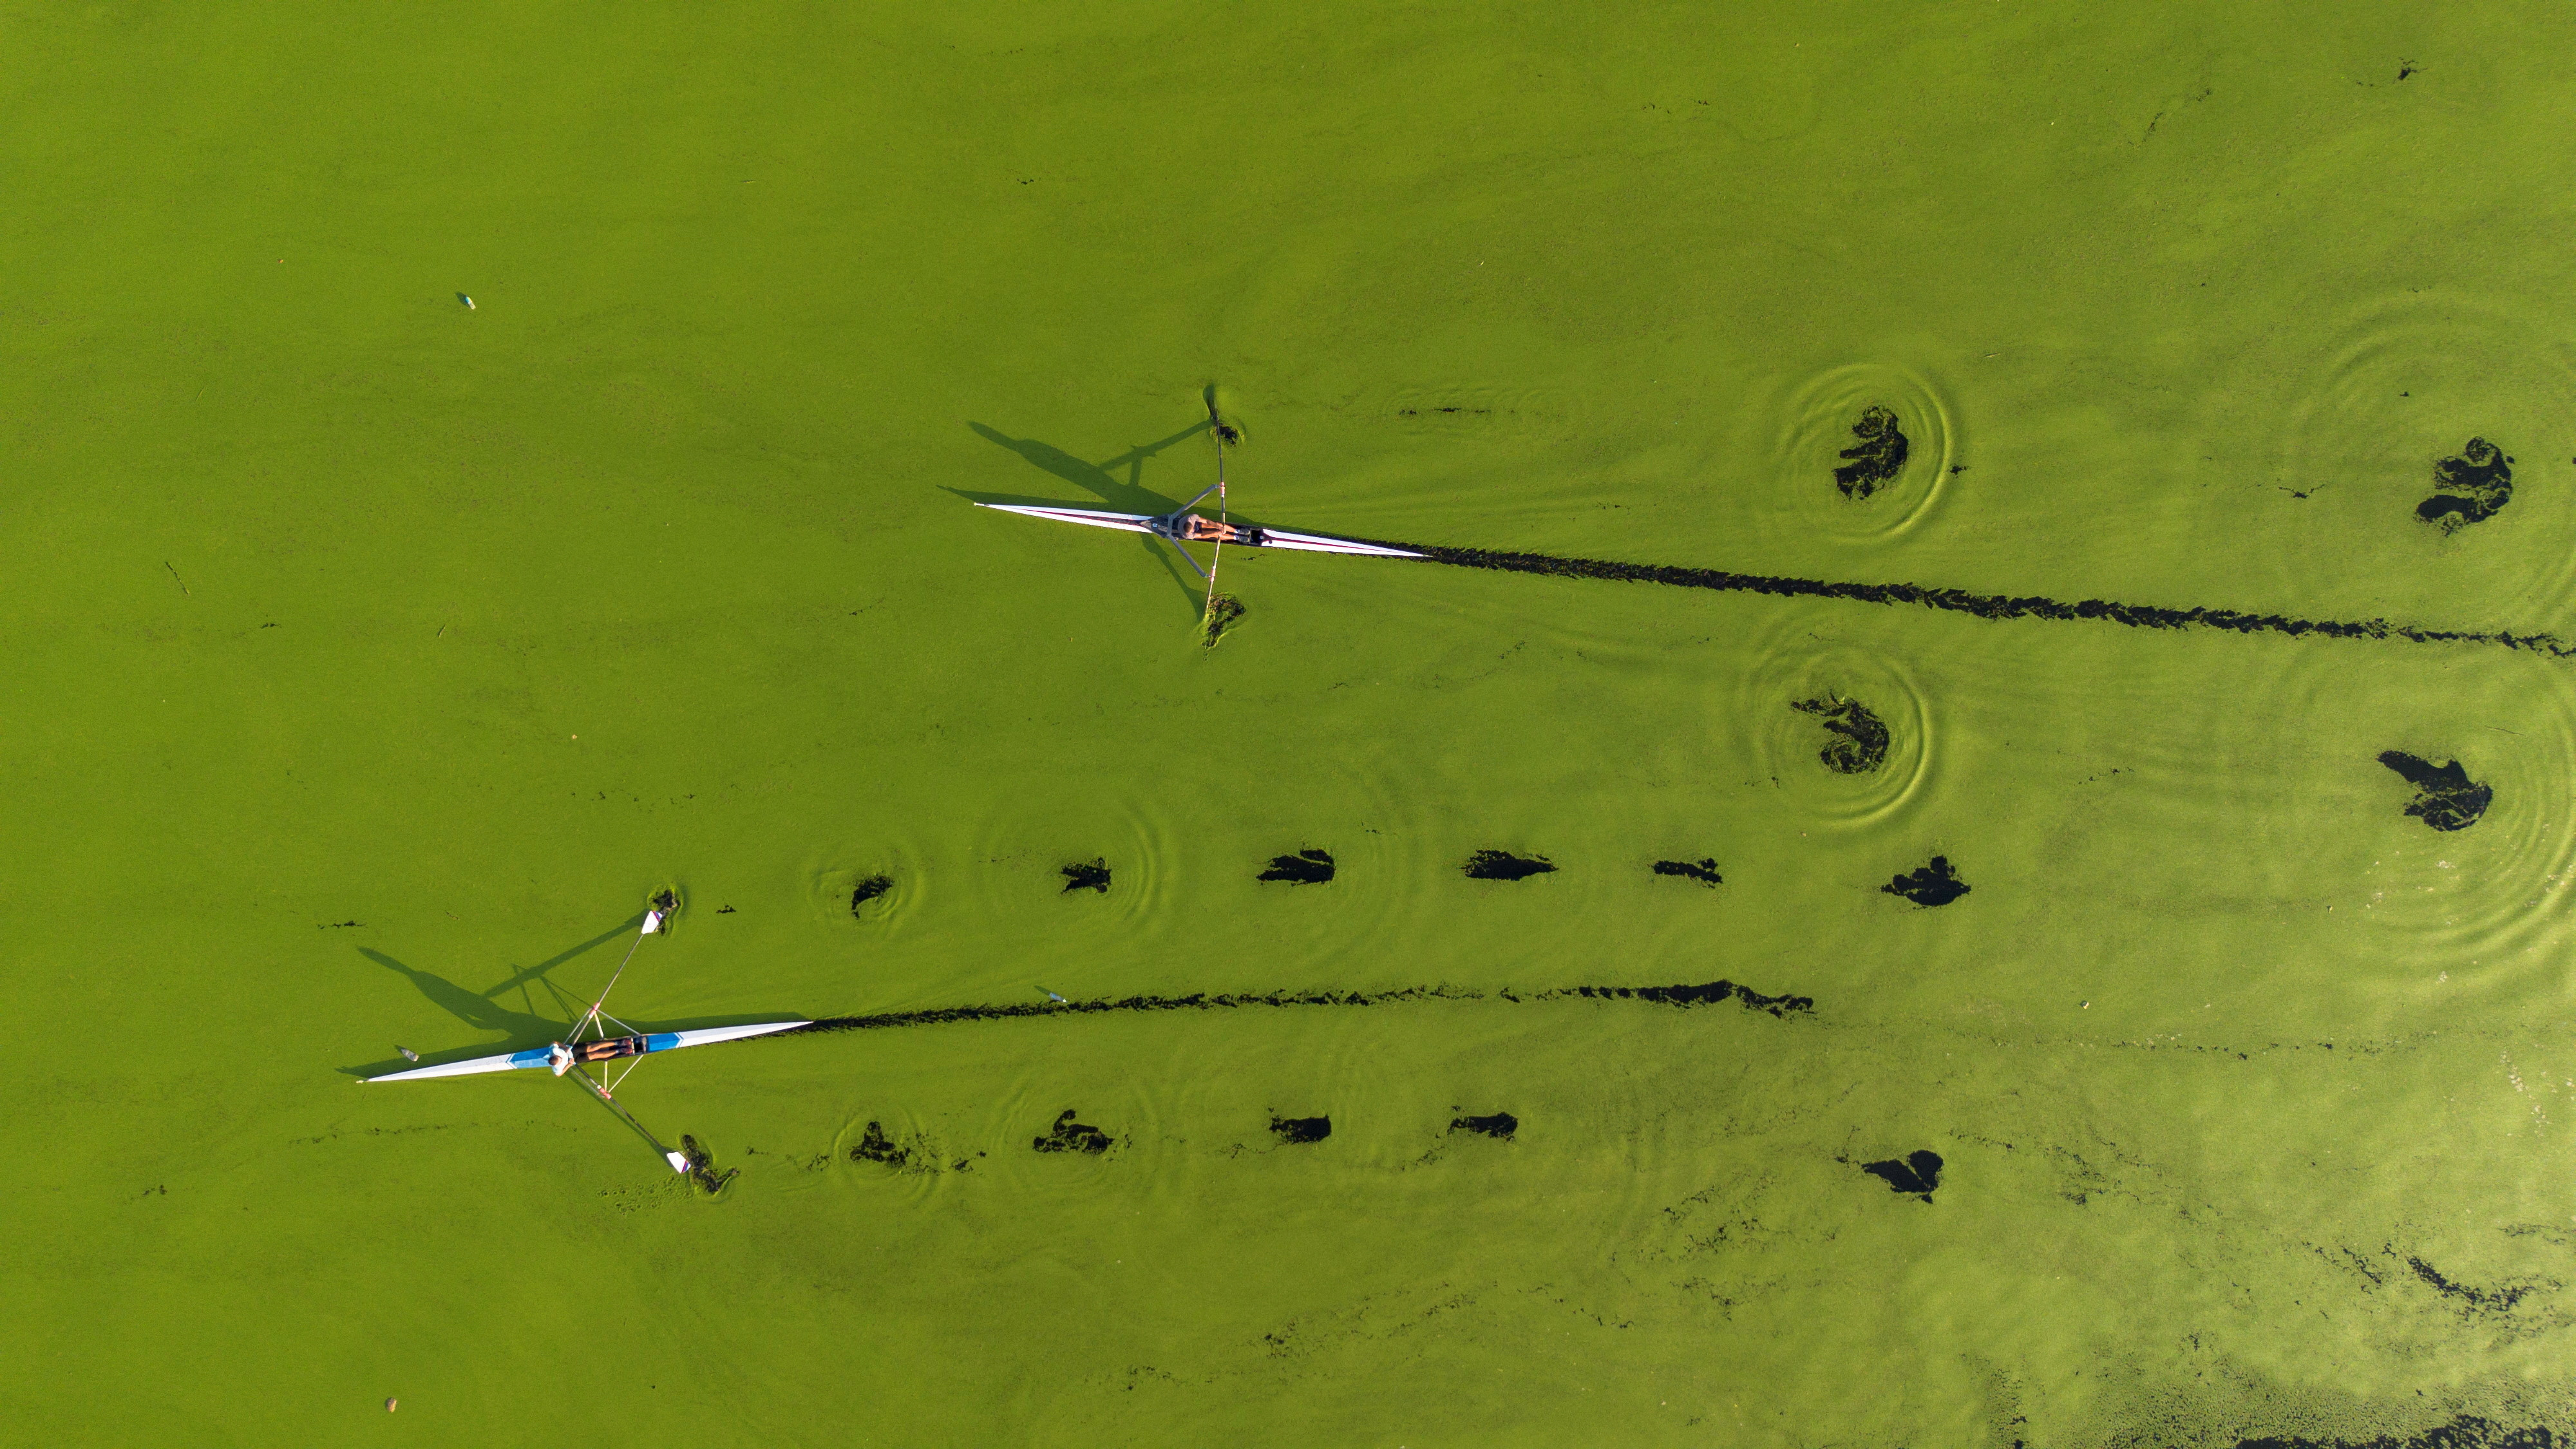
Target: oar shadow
x,y
521,978
483,1011
477,1011
1130,496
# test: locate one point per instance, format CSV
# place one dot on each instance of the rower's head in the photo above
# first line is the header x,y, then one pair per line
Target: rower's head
x,y
559,1057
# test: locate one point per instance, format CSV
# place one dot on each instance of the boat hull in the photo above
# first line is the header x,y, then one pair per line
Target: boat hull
x,y
1257,537
1094,517
1317,543
658,1041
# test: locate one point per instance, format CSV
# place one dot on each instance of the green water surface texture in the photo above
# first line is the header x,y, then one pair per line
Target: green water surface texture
x,y
372,658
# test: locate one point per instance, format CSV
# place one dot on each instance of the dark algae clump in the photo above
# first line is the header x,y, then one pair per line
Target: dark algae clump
x,y
868,890
1092,875
1070,1136
918,1154
2471,1300
1706,994
1876,459
1503,865
1859,738
2445,797
702,1167
1703,870
1918,1173
2464,1431
1222,611
1500,1126
1983,606
1302,1129
1306,867
2468,488
875,1146
1934,885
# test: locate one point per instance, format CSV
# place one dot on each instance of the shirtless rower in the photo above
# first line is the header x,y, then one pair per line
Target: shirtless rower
x,y
1207,530
563,1057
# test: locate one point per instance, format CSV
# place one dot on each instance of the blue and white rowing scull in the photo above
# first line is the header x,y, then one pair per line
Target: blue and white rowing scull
x,y
574,1055
562,1057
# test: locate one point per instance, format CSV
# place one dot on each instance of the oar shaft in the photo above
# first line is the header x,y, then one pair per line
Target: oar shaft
x,y
1207,610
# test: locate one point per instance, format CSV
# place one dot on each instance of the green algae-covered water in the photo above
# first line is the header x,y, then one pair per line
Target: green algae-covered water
x,y
374,658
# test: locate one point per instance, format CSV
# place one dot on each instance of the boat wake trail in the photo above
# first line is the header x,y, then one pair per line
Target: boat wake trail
x,y
1984,606
1709,994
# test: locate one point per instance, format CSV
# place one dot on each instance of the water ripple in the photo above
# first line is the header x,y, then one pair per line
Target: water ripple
x,y
1815,428
1812,706
2410,380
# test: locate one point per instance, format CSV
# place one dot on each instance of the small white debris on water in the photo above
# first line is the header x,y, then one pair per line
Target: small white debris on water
x,y
389,1405
468,301
408,1054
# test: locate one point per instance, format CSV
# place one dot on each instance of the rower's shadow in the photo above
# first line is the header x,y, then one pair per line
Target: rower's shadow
x,y
484,1011
1130,496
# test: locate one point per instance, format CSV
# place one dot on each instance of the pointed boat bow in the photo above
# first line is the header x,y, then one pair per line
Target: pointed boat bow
x,y
506,1062
665,1041
1317,543
1095,517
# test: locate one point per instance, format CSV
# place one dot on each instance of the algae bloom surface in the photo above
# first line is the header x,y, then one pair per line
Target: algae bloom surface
x,y
1963,838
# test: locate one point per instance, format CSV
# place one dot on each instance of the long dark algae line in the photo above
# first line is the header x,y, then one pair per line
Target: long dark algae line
x,y
1984,606
1679,996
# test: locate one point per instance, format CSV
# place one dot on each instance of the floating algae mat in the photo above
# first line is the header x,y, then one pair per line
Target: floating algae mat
x,y
1963,841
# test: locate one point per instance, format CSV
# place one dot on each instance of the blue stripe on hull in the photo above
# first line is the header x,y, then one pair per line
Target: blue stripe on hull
x,y
661,1041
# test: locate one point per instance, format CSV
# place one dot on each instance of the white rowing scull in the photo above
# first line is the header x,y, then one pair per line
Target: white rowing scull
x,y
1181,526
